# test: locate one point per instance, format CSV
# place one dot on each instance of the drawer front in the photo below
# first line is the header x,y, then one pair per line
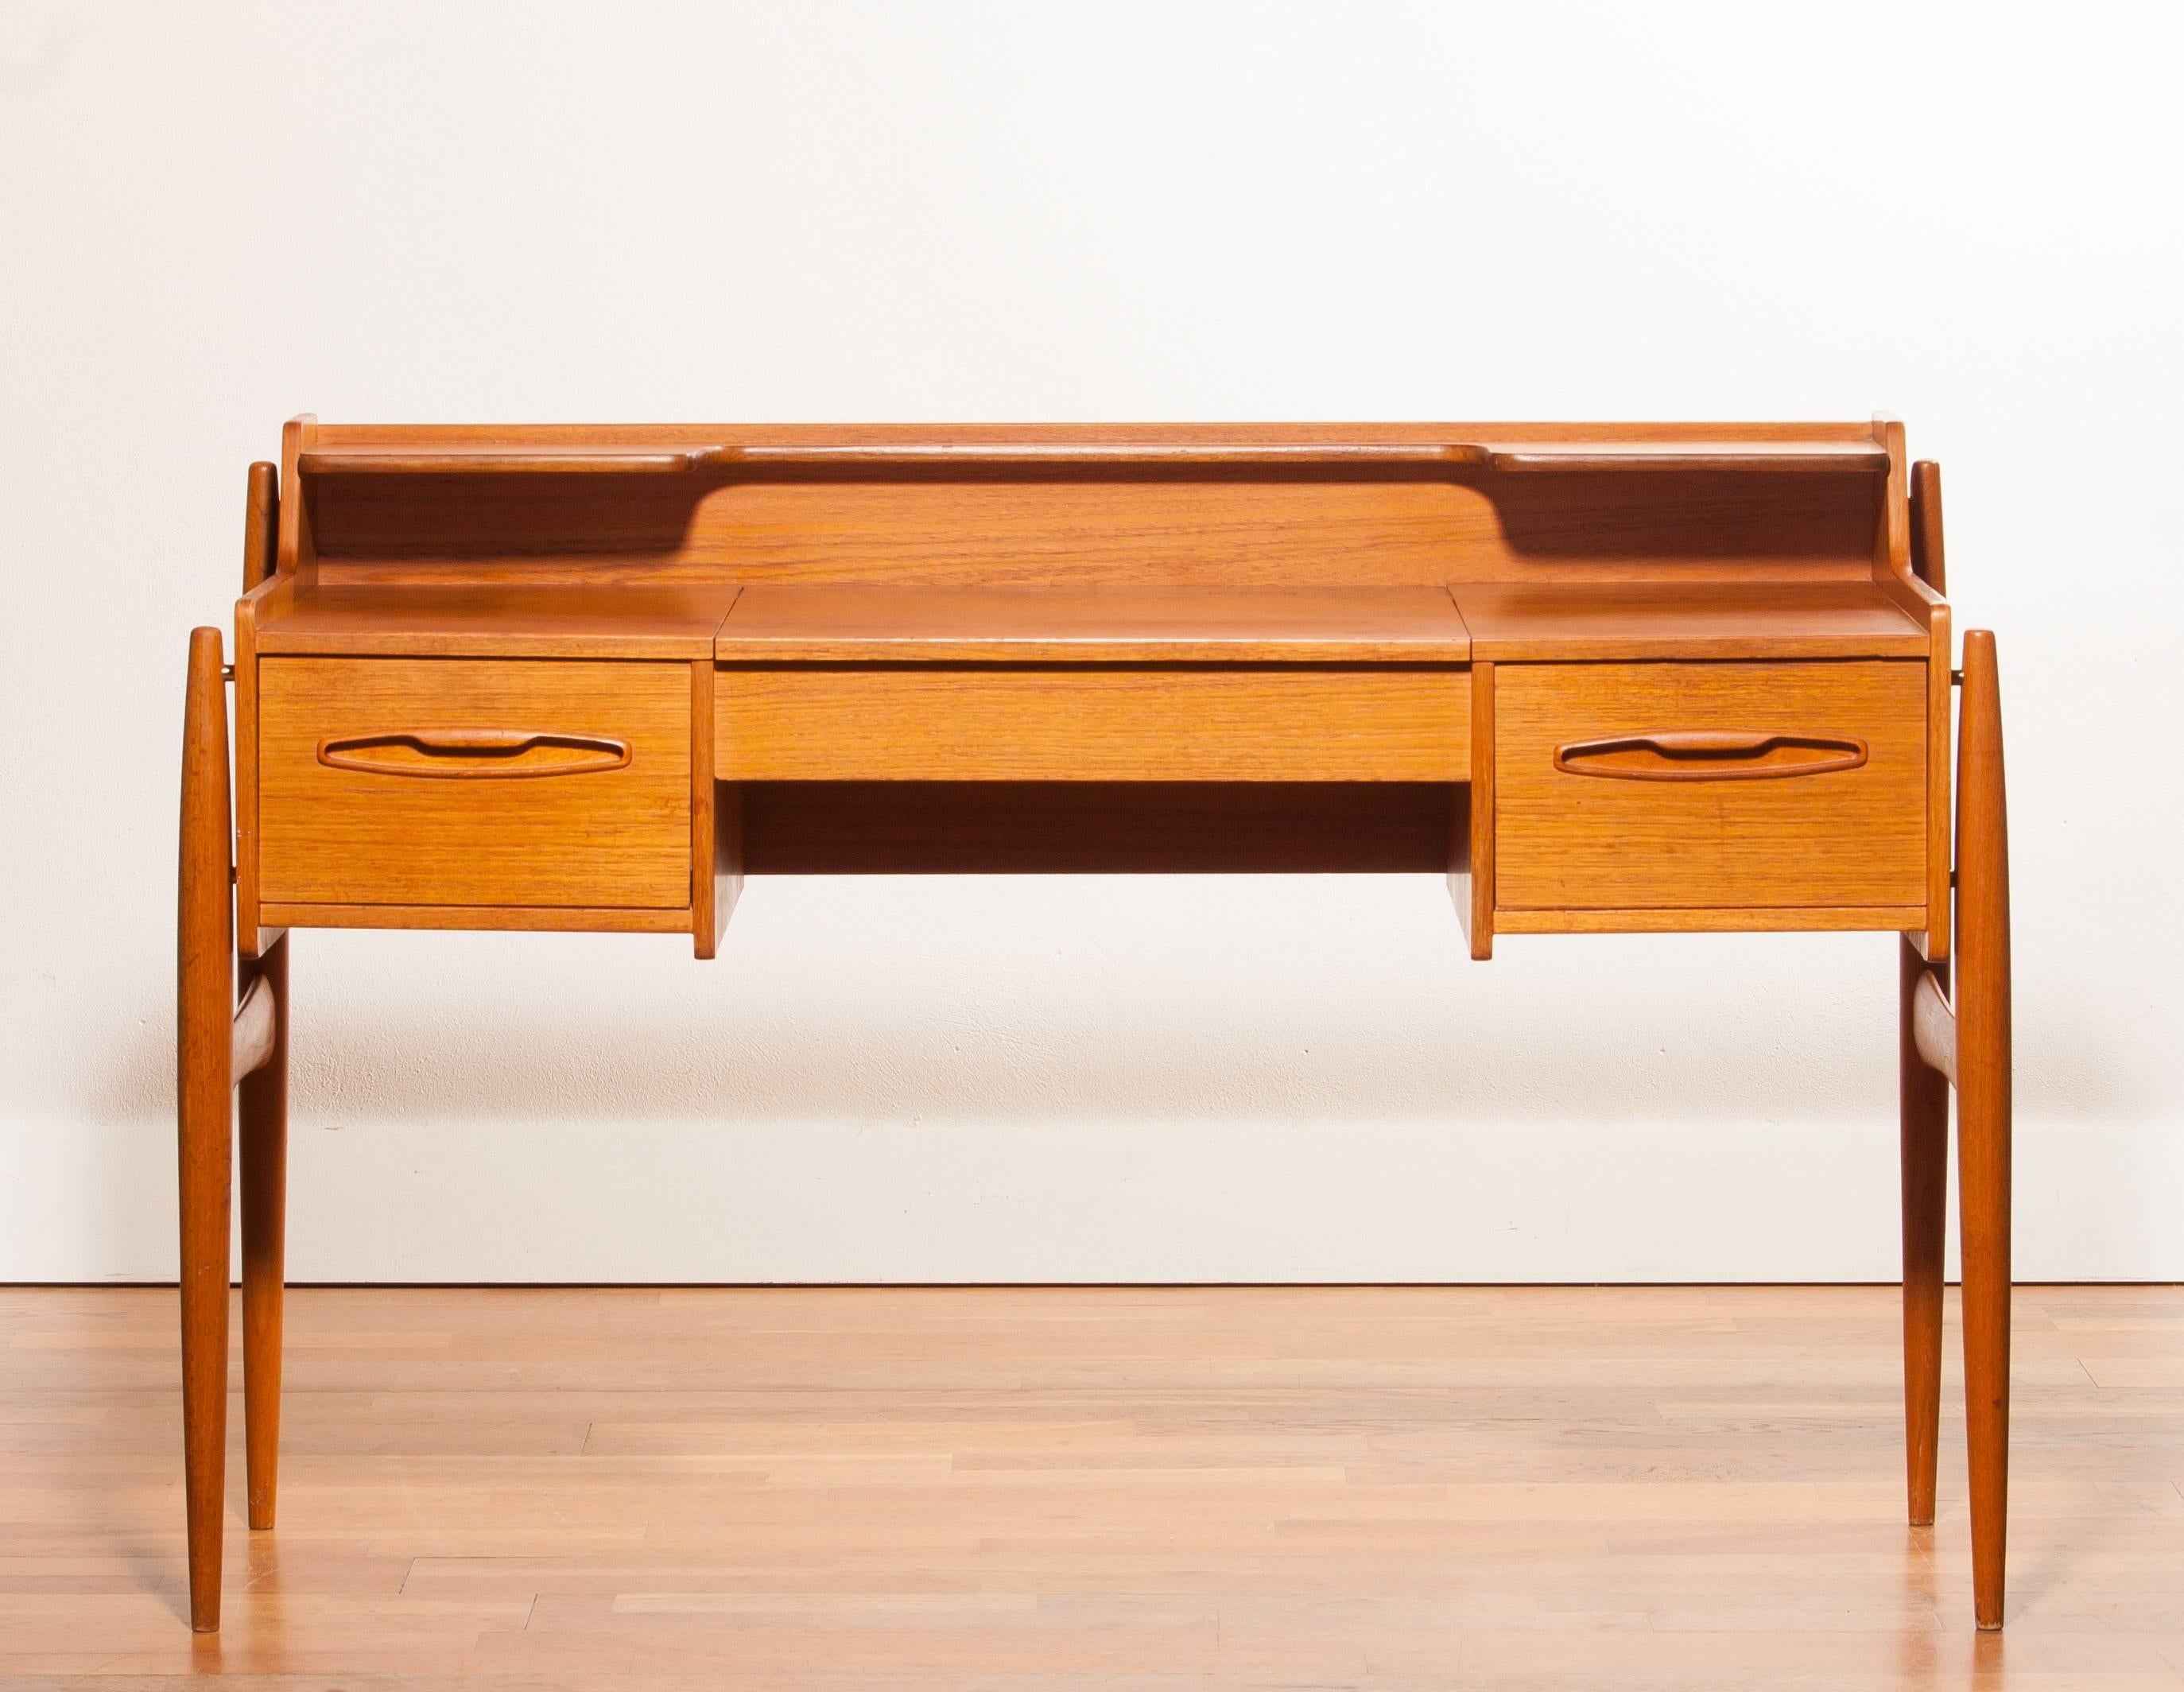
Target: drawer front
x,y
489,782
1715,786
1000,723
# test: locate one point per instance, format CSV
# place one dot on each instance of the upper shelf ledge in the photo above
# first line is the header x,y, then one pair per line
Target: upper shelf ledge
x,y
499,461
1808,457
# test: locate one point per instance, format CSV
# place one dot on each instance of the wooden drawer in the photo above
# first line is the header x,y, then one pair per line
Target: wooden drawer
x,y
481,783
1087,723
1715,786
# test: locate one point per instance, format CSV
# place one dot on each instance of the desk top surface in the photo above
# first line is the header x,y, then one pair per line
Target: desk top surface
x,y
878,624
882,624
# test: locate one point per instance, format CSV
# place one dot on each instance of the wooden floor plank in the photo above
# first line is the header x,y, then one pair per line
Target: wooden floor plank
x,y
1045,1487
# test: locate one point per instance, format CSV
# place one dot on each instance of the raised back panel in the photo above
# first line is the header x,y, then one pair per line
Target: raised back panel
x,y
1099,527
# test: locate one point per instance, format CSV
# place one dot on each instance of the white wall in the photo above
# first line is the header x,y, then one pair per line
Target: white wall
x,y
214,216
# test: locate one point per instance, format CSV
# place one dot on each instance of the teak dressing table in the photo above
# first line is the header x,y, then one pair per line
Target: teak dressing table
x,y
1609,678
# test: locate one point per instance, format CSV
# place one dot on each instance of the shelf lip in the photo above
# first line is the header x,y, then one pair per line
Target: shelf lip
x,y
1806,457
669,460
500,461
910,455
1516,456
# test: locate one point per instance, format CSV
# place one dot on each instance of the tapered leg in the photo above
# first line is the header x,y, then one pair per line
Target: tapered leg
x,y
1983,1111
1923,1113
263,1134
205,1034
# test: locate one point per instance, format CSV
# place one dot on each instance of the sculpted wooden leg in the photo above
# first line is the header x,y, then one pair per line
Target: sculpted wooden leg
x,y
1983,1111
1924,1117
204,1032
262,1113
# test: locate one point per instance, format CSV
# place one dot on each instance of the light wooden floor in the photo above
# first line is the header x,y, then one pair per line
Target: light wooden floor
x,y
1409,1488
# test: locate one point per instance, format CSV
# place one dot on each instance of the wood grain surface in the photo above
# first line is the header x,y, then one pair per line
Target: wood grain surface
x,y
716,838
481,620
929,723
1476,891
618,837
1386,529
1981,994
1732,919
204,1108
1806,458
1847,837
902,506
1687,620
1397,1490
1929,563
264,592
574,919
1898,551
1268,624
1055,447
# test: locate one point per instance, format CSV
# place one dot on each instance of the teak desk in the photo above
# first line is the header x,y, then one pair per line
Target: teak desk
x,y
1658,677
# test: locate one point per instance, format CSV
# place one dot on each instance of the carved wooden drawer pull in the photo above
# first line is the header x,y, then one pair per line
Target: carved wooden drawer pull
x,y
1724,754
473,754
